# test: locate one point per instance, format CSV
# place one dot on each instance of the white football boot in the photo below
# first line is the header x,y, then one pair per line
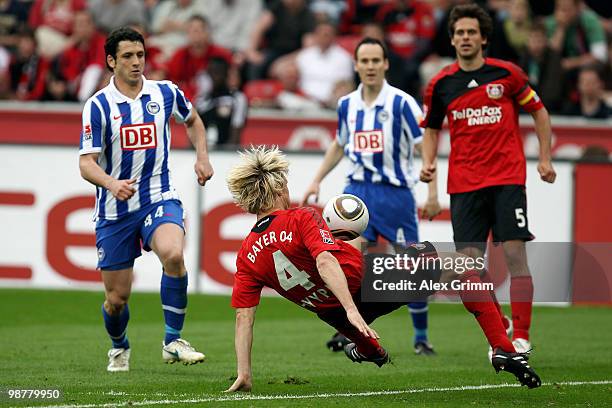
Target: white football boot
x,y
522,346
509,332
118,360
181,350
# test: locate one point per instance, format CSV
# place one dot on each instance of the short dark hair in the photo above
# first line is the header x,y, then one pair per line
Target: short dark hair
x,y
116,36
471,11
200,18
370,40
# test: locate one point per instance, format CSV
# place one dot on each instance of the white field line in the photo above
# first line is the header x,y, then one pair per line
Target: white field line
x,y
249,397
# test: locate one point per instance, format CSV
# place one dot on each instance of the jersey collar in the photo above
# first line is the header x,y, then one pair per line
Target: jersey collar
x,y
118,97
380,99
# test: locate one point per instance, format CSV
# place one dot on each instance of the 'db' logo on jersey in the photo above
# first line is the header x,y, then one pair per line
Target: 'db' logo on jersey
x,y
137,137
495,91
369,141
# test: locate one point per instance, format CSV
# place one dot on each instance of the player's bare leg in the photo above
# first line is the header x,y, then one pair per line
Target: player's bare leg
x,y
115,311
168,244
521,293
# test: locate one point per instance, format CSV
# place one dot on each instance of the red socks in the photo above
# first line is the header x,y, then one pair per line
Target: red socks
x,y
366,346
521,300
481,305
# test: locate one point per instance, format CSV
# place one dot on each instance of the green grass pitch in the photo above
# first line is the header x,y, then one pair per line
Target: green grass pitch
x,y
55,339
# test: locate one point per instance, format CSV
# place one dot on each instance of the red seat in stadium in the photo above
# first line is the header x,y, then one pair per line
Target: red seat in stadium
x,y
348,42
262,90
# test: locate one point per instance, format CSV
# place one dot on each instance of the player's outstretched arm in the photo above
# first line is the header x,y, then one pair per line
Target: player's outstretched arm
x,y
333,155
429,152
197,135
91,171
331,273
544,131
245,318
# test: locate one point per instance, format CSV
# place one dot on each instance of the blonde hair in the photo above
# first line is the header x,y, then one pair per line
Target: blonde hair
x,y
259,179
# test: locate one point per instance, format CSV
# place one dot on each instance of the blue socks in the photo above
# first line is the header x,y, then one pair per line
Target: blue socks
x,y
116,327
174,303
418,311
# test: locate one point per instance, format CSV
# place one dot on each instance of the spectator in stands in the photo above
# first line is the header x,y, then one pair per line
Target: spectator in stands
x,y
323,64
358,13
543,67
517,26
5,81
56,87
409,29
279,31
188,65
222,110
83,63
590,87
328,10
577,34
232,21
111,14
291,96
54,22
27,69
169,23
13,18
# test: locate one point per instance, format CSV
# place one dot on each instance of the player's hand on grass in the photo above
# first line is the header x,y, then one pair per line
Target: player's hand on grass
x,y
242,383
356,320
313,190
122,190
431,210
428,173
204,171
546,170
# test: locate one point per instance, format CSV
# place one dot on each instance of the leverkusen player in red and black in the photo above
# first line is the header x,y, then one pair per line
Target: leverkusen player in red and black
x,y
292,251
481,98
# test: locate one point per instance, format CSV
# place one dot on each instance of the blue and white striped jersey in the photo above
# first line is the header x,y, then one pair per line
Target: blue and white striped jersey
x,y
379,140
132,137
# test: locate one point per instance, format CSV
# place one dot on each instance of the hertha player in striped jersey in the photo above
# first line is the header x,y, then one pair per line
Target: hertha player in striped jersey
x,y
378,130
125,144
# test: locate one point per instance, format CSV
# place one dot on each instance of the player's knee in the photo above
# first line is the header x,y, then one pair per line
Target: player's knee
x,y
173,260
516,259
115,302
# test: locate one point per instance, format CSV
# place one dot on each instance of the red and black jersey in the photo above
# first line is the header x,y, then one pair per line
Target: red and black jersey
x,y
482,108
280,253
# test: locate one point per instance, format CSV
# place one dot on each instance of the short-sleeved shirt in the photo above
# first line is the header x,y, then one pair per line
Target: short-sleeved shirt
x,y
132,137
379,139
280,253
482,108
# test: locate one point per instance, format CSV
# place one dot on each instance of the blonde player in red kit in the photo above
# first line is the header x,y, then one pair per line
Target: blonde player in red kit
x,y
292,251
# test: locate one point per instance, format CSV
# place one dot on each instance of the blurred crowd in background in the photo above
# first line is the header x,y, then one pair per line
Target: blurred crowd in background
x,y
297,54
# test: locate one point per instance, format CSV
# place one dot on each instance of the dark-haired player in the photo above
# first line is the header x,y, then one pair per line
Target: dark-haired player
x,y
378,131
481,98
292,251
125,144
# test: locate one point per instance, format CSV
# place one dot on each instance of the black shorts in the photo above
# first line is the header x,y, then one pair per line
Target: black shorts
x,y
501,209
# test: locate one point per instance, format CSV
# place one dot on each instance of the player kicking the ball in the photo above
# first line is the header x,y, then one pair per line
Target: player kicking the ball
x,y
294,252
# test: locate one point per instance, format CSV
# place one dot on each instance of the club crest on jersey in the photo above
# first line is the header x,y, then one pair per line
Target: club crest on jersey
x,y
152,107
495,91
327,238
138,137
368,141
382,116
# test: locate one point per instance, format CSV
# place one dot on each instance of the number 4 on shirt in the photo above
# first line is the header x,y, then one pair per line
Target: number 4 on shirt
x,y
289,276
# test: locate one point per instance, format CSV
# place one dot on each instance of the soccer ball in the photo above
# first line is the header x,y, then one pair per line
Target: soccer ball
x,y
347,216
